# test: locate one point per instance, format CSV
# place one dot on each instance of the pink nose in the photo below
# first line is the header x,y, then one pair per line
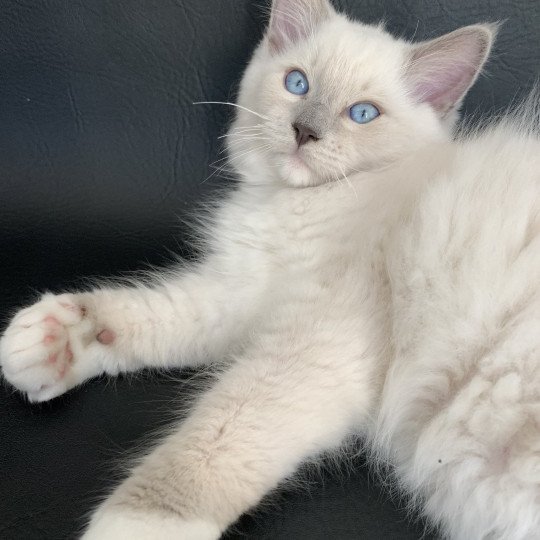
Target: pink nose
x,y
304,134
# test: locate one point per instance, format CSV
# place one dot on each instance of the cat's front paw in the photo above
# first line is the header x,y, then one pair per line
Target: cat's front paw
x,y
41,348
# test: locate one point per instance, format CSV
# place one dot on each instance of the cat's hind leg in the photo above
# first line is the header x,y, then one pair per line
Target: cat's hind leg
x,y
274,408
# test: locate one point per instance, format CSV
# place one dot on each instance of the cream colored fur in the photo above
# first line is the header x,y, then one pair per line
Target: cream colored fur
x,y
382,281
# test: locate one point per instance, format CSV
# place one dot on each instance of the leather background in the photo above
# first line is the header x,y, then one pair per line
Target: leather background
x,y
101,153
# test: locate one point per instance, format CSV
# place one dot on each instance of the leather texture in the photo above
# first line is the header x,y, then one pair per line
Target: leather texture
x,y
101,153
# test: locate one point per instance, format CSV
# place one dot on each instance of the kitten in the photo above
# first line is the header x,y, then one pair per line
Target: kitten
x,y
369,276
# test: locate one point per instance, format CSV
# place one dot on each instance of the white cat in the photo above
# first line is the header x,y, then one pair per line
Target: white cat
x,y
369,276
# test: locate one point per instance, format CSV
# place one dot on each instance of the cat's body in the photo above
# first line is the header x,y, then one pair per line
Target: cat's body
x,y
460,408
397,302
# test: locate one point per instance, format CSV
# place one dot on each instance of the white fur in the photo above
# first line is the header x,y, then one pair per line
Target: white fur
x,y
395,297
465,270
120,525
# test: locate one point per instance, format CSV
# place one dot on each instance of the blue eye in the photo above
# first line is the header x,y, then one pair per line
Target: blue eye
x,y
363,113
296,83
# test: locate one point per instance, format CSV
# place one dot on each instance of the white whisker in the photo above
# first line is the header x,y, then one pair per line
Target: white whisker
x,y
235,133
348,181
231,105
249,136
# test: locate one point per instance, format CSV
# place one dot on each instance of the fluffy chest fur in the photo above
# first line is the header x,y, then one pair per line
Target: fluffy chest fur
x,y
316,252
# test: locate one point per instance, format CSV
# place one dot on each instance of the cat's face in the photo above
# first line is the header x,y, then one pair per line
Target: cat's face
x,y
333,97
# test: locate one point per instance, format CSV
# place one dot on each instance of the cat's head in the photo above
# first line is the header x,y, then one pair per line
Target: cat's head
x,y
329,96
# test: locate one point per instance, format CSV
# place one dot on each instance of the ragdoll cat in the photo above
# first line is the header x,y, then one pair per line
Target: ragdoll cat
x,y
369,276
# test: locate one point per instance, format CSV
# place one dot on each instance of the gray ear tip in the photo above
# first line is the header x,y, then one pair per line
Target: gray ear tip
x,y
484,33
487,31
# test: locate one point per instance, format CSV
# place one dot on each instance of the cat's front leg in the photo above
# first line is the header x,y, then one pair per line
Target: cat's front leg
x,y
62,340
273,409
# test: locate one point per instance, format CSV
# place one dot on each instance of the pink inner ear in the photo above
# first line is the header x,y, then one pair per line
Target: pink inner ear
x,y
446,88
293,20
442,70
284,30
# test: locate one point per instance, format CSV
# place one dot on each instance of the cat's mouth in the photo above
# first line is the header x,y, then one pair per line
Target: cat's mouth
x,y
298,160
297,170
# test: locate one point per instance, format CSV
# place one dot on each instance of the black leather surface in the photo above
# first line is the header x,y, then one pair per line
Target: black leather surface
x,y
101,152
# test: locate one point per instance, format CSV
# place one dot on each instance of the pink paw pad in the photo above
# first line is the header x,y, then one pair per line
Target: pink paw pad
x,y
63,368
48,339
106,337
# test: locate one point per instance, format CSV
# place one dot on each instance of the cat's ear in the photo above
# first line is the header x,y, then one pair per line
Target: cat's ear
x,y
294,20
441,71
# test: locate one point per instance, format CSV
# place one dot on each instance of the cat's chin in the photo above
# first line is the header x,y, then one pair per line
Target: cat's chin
x,y
296,173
